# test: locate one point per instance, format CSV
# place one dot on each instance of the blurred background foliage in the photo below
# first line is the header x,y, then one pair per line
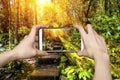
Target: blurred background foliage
x,y
18,16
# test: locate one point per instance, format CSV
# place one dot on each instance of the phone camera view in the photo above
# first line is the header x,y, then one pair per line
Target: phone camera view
x,y
59,39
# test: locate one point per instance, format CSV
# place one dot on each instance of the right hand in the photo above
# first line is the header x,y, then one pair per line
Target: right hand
x,y
94,45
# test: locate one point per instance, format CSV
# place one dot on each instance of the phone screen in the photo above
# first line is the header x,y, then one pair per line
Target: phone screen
x,y
59,39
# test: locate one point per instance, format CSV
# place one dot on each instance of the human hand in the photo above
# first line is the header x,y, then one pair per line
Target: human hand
x,y
27,47
94,44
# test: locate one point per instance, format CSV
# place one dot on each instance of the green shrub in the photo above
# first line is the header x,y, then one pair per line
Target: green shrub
x,y
109,27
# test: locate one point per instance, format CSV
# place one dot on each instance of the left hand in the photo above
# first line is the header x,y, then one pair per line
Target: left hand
x,y
26,48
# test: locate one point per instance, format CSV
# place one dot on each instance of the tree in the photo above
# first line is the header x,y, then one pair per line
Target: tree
x,y
5,6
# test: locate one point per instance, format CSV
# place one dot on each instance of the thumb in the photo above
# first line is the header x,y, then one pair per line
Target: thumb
x,y
33,31
82,53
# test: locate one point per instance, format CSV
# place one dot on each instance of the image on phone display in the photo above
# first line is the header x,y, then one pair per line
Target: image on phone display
x,y
59,39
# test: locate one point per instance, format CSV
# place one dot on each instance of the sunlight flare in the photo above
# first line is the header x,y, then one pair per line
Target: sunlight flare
x,y
54,33
43,1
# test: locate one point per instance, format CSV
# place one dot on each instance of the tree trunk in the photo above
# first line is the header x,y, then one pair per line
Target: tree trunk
x,y
10,32
107,5
6,15
17,21
35,6
102,6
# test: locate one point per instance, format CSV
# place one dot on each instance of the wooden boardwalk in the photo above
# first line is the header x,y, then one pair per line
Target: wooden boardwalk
x,y
47,68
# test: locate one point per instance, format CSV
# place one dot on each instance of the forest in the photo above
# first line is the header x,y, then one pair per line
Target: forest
x,y
18,16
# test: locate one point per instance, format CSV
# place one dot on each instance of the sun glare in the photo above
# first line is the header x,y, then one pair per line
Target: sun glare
x,y
43,1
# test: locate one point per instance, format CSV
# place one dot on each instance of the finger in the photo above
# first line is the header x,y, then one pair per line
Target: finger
x,y
36,45
95,33
89,28
102,39
81,30
97,36
33,31
41,53
36,38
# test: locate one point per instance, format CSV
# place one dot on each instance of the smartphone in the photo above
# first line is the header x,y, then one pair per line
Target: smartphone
x,y
61,39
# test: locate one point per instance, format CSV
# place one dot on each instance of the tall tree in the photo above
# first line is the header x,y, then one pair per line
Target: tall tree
x,y
17,7
6,12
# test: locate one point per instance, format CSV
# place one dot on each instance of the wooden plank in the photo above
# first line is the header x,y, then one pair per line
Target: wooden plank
x,y
51,56
45,72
